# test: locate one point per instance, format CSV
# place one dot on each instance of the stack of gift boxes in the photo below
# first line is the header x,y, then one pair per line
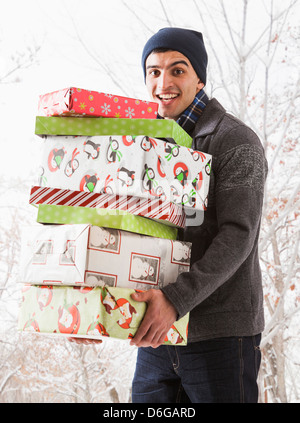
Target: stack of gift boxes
x,y
113,186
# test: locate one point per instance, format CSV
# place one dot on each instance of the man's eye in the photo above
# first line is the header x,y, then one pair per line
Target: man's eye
x,y
178,71
154,72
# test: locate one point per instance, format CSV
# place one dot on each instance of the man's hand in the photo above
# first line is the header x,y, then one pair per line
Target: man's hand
x,y
159,317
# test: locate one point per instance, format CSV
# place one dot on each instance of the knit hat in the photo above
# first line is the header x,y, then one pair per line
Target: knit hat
x,y
188,42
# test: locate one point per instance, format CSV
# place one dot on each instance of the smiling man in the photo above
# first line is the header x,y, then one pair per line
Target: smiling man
x,y
172,82
223,289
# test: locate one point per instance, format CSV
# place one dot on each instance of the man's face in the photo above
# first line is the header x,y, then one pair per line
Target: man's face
x,y
171,82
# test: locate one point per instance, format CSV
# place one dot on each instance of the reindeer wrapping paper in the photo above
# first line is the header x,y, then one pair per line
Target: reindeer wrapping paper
x,y
92,256
138,166
80,102
89,312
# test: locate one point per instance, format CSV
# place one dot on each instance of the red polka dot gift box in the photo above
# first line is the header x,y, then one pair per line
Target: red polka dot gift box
x,y
80,102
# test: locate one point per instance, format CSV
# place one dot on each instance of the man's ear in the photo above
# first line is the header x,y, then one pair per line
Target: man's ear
x,y
200,85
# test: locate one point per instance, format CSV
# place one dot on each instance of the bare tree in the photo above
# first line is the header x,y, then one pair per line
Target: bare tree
x,y
256,76
270,109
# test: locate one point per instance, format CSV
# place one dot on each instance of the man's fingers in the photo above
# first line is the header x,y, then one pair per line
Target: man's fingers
x,y
141,296
148,334
159,317
143,332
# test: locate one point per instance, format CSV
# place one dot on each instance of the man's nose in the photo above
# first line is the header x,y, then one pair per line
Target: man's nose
x,y
165,81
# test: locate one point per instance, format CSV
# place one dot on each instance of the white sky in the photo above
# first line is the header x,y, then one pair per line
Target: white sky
x,y
109,29
60,64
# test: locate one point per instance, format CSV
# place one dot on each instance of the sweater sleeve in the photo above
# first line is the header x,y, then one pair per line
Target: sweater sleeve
x,y
238,197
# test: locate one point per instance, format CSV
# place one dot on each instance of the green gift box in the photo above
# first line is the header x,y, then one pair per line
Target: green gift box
x,y
157,128
117,219
88,312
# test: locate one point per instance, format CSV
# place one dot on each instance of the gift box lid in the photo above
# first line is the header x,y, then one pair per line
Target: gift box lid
x,y
73,101
157,128
162,211
117,219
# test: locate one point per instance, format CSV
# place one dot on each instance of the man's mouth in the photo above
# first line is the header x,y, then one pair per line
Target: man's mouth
x,y
167,97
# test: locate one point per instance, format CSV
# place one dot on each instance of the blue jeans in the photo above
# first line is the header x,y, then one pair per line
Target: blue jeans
x,y
222,370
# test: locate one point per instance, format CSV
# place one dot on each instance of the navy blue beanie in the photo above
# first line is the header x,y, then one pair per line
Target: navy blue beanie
x,y
188,42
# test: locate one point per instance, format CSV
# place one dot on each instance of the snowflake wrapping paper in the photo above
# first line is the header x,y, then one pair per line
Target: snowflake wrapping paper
x,y
88,312
115,219
80,102
94,256
163,212
138,166
156,128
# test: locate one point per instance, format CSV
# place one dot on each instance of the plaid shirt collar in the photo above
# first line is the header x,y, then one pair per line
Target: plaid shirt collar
x,y
190,116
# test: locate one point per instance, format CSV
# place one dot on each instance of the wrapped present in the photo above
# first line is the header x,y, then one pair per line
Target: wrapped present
x,y
116,219
156,128
91,255
138,166
88,312
161,211
79,102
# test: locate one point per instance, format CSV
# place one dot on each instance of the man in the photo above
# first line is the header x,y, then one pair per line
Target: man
x,y
223,290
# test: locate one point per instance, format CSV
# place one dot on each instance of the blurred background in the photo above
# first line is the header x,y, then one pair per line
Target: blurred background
x,y
254,64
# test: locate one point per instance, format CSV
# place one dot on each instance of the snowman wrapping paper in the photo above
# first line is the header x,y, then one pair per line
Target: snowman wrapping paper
x,y
89,312
139,166
89,255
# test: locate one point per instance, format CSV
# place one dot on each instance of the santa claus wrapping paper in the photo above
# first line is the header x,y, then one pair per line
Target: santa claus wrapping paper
x,y
87,312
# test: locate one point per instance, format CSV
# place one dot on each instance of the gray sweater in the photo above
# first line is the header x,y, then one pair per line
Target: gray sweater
x,y
223,289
